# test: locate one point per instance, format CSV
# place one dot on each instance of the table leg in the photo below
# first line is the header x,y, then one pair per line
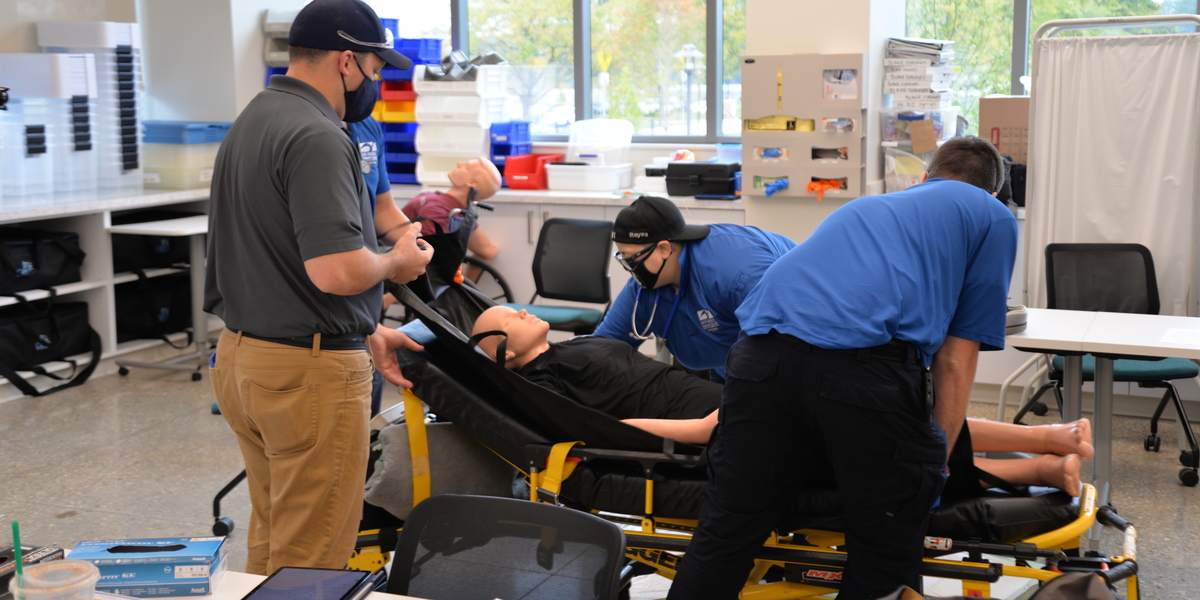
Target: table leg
x,y
1102,426
199,317
1072,388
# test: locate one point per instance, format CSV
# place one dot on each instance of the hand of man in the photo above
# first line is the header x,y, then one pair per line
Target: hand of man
x,y
383,345
412,255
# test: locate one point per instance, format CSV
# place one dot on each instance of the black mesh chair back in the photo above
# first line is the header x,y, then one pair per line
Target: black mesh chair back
x,y
484,548
1101,277
571,260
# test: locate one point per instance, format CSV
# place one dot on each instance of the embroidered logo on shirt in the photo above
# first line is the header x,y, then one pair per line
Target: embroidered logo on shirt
x,y
369,152
707,320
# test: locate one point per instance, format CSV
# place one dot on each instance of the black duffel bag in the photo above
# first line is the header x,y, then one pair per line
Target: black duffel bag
x,y
32,259
151,308
137,252
35,333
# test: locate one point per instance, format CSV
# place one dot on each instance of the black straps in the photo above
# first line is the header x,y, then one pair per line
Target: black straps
x,y
501,349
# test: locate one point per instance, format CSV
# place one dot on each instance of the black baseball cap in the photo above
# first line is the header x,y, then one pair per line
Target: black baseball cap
x,y
651,219
345,25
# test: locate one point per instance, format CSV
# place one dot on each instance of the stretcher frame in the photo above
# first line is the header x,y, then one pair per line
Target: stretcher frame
x,y
809,559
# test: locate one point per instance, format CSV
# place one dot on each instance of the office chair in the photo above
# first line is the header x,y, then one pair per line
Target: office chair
x,y
481,547
571,263
1115,278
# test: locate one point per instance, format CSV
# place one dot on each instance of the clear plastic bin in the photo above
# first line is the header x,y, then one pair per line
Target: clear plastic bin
x,y
894,123
608,137
589,177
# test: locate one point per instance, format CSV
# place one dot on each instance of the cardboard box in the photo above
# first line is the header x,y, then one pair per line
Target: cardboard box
x,y
1004,120
30,555
152,568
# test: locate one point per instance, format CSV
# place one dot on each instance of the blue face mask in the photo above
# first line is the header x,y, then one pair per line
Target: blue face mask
x,y
360,103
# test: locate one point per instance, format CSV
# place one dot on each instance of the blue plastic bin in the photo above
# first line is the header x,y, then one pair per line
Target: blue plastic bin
x,y
501,151
184,132
400,157
511,132
274,71
399,132
392,25
422,51
394,74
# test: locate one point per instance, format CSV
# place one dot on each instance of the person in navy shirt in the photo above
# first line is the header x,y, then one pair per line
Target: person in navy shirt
x,y
687,281
846,338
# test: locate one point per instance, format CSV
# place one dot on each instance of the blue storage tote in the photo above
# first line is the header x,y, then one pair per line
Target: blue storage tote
x,y
390,73
400,157
399,132
184,132
422,51
274,71
503,151
511,132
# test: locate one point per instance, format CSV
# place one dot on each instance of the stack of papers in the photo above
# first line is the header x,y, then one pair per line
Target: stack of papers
x,y
917,73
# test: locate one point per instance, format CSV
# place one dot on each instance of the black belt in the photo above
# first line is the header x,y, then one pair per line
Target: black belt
x,y
894,350
341,341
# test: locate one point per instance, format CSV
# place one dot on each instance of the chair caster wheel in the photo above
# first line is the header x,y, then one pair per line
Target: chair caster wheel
x,y
1185,458
224,525
197,376
1039,409
1189,477
122,371
1152,443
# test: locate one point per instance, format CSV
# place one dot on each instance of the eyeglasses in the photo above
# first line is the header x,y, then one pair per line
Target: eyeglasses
x,y
631,262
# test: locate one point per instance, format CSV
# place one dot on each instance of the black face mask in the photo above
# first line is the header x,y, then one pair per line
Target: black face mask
x,y
361,102
642,275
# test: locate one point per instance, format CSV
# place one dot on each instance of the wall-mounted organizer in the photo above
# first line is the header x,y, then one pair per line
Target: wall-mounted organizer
x,y
804,120
455,119
117,137
47,154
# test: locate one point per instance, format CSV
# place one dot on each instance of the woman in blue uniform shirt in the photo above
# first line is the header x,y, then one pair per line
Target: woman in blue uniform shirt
x,y
687,281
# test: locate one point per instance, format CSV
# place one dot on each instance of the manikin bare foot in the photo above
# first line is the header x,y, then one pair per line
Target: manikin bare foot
x,y
1061,472
1069,438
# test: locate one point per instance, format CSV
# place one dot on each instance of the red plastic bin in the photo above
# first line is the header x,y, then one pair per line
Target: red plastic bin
x,y
528,171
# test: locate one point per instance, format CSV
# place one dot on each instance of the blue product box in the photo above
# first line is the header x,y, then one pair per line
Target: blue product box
x,y
156,567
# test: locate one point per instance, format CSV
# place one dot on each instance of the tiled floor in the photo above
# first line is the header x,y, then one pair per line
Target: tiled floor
x,y
142,456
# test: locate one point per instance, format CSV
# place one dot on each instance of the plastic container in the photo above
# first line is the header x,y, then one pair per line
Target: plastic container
x,y
528,171
608,137
422,51
185,132
178,166
510,132
394,74
589,178
57,580
501,152
452,140
396,90
435,108
490,80
399,132
729,153
895,123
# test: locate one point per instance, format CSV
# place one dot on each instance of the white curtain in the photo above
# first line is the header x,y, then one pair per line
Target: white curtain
x,y
1113,154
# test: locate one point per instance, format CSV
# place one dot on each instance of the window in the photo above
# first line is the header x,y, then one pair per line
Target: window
x,y
651,62
986,36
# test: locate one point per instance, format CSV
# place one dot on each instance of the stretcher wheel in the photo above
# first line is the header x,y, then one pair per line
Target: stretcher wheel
x,y
1040,409
122,371
1152,443
196,376
1189,477
1185,458
224,525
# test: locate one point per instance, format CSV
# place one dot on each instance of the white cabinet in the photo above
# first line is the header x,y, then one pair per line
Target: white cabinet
x,y
91,221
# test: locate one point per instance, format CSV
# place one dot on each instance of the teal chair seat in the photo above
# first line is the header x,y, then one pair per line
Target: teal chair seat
x,y
1137,370
563,318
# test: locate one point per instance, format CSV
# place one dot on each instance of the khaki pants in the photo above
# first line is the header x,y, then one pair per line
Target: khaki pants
x,y
301,419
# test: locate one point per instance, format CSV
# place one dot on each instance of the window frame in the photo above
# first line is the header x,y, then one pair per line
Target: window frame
x,y
582,24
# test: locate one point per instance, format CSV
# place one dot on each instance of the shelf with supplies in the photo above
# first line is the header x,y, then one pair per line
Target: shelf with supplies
x,y
96,284
803,122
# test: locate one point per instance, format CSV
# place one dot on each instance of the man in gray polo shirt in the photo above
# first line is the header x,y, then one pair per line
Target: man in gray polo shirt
x,y
294,271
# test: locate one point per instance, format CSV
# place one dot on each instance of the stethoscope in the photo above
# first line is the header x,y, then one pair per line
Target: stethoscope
x,y
646,334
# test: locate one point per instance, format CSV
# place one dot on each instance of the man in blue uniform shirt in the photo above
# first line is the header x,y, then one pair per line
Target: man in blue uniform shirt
x,y
687,281
846,337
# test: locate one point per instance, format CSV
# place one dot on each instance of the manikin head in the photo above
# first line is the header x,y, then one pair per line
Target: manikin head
x,y
526,334
480,174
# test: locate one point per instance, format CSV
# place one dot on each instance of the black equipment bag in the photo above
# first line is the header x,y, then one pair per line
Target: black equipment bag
x,y
31,259
151,308
137,252
34,333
